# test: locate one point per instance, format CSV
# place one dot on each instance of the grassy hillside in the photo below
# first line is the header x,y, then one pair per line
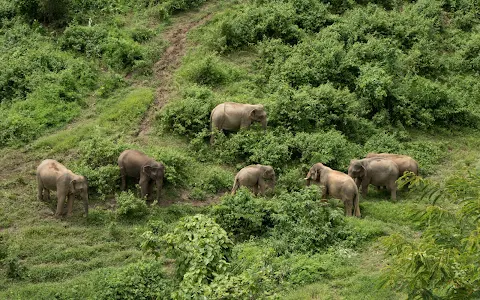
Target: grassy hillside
x,y
82,81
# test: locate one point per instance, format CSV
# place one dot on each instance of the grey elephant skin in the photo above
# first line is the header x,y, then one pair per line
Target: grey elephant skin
x,y
232,116
404,162
254,177
337,185
138,165
53,176
376,171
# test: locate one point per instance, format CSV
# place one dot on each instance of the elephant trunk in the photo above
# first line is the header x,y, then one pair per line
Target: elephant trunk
x,y
159,187
264,124
272,182
85,202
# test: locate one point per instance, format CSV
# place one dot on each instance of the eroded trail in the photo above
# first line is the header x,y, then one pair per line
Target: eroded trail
x,y
176,36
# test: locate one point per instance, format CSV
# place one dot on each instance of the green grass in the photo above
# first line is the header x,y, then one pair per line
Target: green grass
x,y
67,257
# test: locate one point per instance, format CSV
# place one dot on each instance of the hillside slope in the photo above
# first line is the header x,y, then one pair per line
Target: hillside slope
x,y
338,80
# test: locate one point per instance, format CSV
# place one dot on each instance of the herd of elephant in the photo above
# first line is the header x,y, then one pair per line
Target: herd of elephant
x,y
378,169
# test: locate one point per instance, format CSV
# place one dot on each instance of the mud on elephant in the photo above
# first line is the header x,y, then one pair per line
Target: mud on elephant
x,y
232,116
254,177
337,185
138,165
376,171
53,176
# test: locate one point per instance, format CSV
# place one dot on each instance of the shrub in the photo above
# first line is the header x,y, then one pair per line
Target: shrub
x,y
213,179
190,115
254,23
330,148
44,10
142,280
273,147
130,207
441,263
201,248
120,52
383,142
301,224
99,150
205,69
178,166
308,109
292,179
15,268
103,180
242,215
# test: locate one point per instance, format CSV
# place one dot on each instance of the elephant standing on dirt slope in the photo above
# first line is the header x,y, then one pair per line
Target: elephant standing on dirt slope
x,y
254,177
377,171
336,184
53,176
232,116
404,162
138,165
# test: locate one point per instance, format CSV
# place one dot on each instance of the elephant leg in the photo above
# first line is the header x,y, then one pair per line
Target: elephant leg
x,y
70,205
261,186
144,185
46,194
324,192
123,174
39,189
60,201
365,184
159,188
358,182
393,191
348,207
255,189
150,190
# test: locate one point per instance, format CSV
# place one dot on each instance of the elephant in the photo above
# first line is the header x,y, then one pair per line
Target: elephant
x,y
404,162
53,176
138,165
254,177
336,184
232,116
377,171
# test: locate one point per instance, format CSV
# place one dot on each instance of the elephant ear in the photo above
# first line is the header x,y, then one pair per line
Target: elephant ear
x,y
253,114
72,186
147,169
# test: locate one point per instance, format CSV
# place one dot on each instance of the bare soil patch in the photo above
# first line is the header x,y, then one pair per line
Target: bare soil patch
x,y
176,36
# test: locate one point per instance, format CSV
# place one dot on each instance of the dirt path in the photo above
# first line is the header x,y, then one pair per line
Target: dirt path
x,y
176,36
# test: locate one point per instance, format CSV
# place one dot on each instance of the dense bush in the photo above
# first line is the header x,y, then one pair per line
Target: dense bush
x,y
120,52
211,180
130,207
442,263
41,88
243,215
330,148
201,248
142,280
98,163
191,114
205,70
301,224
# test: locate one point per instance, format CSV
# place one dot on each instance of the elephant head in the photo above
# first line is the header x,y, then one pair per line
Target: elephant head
x,y
156,172
269,173
258,114
356,169
314,173
79,186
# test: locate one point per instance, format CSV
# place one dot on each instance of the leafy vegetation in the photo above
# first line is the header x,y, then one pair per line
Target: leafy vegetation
x,y
79,83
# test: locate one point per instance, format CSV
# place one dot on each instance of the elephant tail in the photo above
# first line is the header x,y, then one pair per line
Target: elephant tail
x,y
236,185
356,204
